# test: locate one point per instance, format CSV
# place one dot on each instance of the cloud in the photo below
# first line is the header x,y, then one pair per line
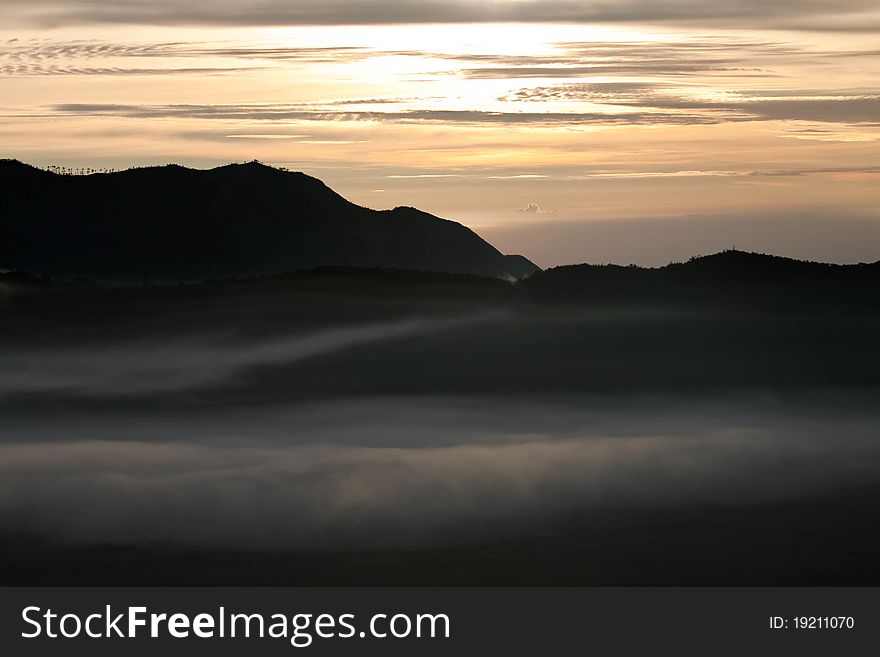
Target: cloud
x,y
804,14
677,60
671,98
304,112
45,50
685,57
36,57
642,109
532,208
585,91
128,369
27,70
714,173
430,472
41,49
610,69
791,105
855,109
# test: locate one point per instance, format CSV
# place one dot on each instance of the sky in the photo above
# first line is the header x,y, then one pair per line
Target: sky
x,y
631,131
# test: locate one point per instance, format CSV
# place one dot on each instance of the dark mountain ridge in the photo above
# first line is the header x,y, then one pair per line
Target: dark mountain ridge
x,y
729,278
172,223
733,280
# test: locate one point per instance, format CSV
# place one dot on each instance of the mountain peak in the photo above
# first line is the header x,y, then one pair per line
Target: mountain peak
x,y
13,164
172,223
252,165
748,263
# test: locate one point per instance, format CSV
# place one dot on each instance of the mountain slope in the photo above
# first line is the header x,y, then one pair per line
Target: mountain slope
x,y
728,279
176,224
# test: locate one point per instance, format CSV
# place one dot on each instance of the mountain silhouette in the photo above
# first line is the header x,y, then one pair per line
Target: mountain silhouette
x,y
171,223
730,278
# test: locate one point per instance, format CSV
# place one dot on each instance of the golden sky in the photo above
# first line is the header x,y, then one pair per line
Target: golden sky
x,y
632,131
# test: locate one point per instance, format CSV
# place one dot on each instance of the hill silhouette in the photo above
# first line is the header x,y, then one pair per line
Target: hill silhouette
x,y
726,279
172,223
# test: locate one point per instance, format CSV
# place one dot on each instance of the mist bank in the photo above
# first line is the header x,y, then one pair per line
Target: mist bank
x,y
408,473
351,333
190,361
338,419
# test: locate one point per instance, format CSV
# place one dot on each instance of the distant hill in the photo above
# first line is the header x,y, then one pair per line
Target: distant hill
x,y
727,279
171,223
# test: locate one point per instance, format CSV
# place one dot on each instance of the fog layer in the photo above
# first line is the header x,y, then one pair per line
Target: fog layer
x,y
404,471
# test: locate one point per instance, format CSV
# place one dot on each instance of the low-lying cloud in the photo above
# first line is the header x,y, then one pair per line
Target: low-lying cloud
x,y
509,466
170,365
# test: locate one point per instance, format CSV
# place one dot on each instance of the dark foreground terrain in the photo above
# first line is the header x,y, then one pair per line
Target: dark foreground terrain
x,y
828,540
346,426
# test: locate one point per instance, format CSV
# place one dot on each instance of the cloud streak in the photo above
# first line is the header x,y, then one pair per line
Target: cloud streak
x,y
792,105
43,50
29,70
626,109
129,369
804,14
